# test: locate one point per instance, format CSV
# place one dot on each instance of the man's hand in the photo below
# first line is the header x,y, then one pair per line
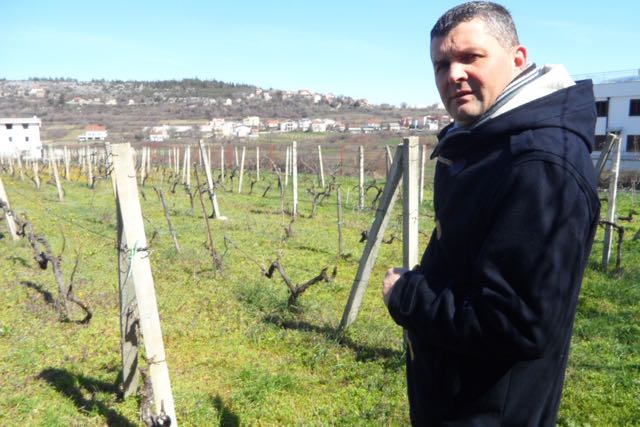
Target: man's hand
x,y
390,279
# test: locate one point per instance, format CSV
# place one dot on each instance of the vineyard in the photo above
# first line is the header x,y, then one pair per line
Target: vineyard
x,y
249,298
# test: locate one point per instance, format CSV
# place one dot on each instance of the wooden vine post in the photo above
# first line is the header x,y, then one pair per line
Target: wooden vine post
x,y
187,182
221,163
148,160
404,167
217,261
320,167
340,221
67,160
56,176
388,156
89,168
20,170
212,193
36,176
11,223
257,163
177,160
48,160
143,166
244,149
287,157
411,202
361,178
423,158
165,208
294,177
611,212
604,153
370,252
185,163
135,267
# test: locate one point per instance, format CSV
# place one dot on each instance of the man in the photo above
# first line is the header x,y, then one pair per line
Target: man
x,y
490,309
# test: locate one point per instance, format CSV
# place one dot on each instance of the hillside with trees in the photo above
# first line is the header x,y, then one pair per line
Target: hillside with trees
x,y
126,107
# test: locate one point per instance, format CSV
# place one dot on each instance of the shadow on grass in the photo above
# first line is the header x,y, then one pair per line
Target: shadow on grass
x,y
46,295
227,417
75,387
392,359
314,249
266,211
18,260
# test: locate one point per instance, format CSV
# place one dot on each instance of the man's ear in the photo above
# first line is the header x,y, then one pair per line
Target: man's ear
x,y
520,57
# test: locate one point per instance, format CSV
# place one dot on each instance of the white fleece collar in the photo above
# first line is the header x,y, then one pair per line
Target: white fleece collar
x,y
531,84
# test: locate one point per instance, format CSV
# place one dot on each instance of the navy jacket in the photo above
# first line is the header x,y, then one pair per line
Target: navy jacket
x,y
490,310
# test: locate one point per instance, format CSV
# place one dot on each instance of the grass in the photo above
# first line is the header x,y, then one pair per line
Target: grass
x,y
603,377
236,354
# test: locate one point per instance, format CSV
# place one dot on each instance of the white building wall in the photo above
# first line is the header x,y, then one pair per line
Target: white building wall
x,y
251,121
20,136
96,135
619,95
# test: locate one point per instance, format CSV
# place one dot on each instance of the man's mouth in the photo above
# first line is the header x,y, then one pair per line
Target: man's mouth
x,y
461,93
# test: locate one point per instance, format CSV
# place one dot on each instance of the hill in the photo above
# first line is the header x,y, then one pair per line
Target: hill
x,y
126,107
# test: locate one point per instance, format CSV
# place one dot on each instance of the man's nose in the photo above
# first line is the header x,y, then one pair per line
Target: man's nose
x,y
457,72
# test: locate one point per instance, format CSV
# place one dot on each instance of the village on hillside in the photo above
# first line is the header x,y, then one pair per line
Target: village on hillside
x,y
171,111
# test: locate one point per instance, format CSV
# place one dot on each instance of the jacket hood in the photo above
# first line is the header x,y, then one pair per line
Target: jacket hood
x,y
571,108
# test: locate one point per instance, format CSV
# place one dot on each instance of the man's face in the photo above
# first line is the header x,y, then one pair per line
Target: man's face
x,y
472,68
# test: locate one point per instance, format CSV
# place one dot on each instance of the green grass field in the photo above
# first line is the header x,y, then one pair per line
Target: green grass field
x,y
237,355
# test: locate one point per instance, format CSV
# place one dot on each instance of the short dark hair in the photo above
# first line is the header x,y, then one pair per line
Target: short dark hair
x,y
496,17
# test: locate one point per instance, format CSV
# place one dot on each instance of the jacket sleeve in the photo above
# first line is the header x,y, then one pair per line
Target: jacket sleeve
x,y
521,293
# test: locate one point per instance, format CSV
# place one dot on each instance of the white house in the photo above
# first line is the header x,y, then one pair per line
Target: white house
x,y
158,134
38,92
206,131
226,129
251,121
217,124
273,124
288,126
93,133
430,123
618,110
393,127
20,136
318,125
304,125
242,131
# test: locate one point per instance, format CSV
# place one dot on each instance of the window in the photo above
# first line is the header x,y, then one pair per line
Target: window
x,y
25,126
26,139
10,139
634,107
602,108
600,142
633,143
9,126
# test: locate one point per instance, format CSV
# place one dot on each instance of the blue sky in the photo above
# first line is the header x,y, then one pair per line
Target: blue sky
x,y
375,49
